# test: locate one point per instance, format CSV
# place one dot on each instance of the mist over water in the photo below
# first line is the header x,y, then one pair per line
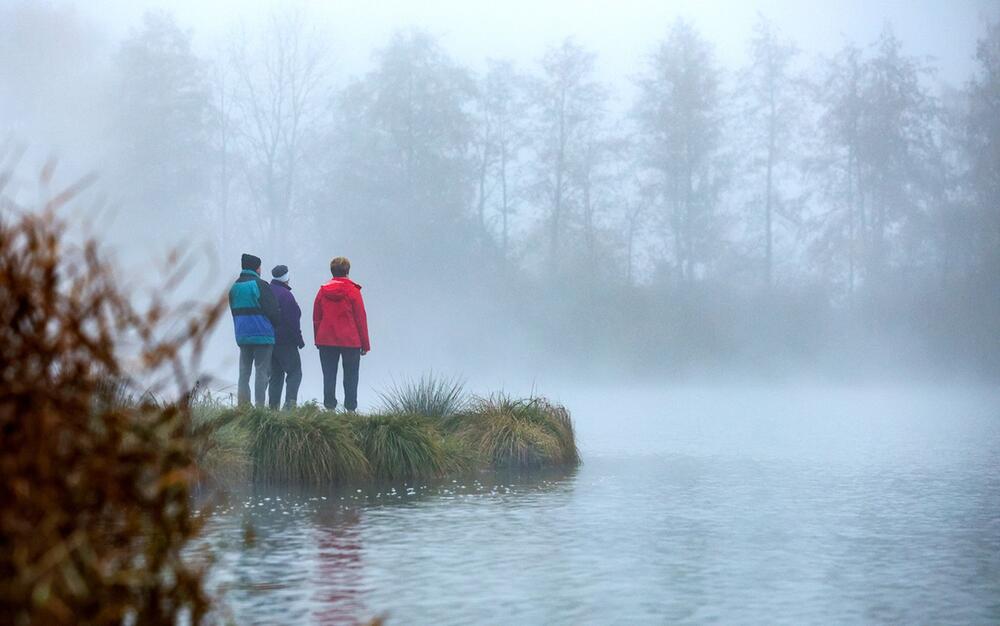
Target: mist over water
x,y
753,247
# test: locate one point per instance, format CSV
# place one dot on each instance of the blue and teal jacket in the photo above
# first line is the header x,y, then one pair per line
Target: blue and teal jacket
x,y
255,310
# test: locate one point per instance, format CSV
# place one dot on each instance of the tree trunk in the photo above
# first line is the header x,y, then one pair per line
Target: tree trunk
x,y
505,208
851,217
558,199
483,166
769,236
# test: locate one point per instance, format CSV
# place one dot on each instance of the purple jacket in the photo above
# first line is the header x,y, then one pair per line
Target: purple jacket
x,y
288,330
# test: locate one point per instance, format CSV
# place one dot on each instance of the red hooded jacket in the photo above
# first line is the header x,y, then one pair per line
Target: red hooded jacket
x,y
339,317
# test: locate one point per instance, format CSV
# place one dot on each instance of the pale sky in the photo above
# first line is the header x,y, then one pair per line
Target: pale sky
x,y
621,32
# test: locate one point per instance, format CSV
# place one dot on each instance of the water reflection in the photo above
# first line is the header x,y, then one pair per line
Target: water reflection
x,y
297,555
338,600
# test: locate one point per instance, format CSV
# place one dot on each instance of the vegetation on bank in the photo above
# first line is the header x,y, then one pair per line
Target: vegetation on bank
x,y
426,428
96,482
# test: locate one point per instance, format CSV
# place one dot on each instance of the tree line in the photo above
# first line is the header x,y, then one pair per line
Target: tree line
x,y
772,212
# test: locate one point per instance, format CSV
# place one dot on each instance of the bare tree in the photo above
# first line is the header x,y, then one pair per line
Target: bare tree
x,y
632,196
982,145
772,100
592,174
501,136
878,120
277,98
162,114
568,99
679,119
402,173
838,225
223,130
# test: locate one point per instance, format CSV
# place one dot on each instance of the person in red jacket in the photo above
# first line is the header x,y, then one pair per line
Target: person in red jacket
x,y
340,326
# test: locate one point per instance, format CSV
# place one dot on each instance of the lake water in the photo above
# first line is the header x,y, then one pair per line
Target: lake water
x,y
693,505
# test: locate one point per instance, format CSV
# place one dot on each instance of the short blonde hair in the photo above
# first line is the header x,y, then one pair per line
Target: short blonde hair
x,y
340,266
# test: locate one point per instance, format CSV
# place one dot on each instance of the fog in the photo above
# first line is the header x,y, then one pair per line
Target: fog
x,y
560,195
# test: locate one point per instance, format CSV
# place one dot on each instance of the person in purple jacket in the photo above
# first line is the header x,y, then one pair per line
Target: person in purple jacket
x,y
286,366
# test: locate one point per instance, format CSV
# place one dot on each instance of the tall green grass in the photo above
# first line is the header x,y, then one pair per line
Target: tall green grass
x,y
400,446
221,442
308,446
428,396
513,432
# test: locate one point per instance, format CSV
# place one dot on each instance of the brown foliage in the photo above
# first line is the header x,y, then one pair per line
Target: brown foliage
x,y
95,505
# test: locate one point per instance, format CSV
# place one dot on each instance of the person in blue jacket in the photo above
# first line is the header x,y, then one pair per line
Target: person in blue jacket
x,y
286,365
255,314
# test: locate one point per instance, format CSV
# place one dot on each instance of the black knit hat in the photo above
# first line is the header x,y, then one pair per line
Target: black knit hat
x,y
250,262
279,270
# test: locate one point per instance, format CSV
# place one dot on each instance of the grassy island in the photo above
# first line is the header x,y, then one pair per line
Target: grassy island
x,y
423,429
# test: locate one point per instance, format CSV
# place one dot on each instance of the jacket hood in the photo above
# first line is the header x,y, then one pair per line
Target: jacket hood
x,y
281,283
338,288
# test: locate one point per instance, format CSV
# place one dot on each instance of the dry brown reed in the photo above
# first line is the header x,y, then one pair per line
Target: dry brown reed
x,y
96,507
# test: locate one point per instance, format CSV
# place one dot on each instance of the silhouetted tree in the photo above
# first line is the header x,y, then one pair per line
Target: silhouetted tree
x,y
403,170
772,100
278,92
898,149
569,104
836,229
593,175
161,121
679,125
982,147
882,158
501,136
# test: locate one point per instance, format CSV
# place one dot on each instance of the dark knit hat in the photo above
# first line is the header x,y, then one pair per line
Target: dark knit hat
x,y
250,262
279,270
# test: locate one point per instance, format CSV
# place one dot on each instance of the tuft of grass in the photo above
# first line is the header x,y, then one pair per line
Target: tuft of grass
x,y
400,446
305,446
458,457
429,396
557,421
221,442
520,433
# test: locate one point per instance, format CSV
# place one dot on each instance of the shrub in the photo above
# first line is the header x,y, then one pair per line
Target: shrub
x,y
96,492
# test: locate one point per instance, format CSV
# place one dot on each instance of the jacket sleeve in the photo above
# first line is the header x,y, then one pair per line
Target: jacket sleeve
x,y
269,304
297,312
317,315
361,319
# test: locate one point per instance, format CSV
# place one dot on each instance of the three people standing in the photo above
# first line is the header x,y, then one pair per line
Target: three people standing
x,y
267,322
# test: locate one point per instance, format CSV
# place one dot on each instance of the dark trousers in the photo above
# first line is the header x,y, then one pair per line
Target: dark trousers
x,y
286,370
328,358
258,359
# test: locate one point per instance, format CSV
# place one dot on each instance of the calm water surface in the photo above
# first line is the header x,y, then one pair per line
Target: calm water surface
x,y
693,505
